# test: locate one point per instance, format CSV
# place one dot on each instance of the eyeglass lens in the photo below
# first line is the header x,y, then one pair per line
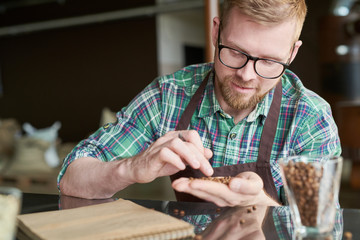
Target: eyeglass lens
x,y
263,67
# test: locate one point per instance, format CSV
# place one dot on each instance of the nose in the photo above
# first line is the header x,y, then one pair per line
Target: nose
x,y
247,72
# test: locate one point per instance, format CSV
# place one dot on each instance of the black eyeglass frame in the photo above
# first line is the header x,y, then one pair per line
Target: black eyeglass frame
x,y
249,57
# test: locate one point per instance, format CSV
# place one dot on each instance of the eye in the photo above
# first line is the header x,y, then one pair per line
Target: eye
x,y
233,52
268,62
236,54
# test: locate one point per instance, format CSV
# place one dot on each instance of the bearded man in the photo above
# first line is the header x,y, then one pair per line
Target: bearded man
x,y
233,117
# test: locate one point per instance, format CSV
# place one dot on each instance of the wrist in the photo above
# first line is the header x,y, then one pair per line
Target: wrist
x,y
124,172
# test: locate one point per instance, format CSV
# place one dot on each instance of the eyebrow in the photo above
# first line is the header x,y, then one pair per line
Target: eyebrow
x,y
237,47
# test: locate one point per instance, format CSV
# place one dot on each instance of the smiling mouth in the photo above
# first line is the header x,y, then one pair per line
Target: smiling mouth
x,y
245,88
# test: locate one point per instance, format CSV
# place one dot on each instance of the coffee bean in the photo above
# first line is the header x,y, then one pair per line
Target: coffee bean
x,y
182,213
348,235
176,211
309,192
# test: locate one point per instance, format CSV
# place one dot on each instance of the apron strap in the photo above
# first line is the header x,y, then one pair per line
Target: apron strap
x,y
270,126
185,118
266,143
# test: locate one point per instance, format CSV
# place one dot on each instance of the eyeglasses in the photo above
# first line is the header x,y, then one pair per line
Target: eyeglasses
x,y
236,59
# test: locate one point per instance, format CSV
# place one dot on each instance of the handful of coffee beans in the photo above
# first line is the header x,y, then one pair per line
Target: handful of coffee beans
x,y
224,180
304,181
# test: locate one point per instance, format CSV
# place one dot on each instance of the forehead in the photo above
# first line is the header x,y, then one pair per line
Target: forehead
x,y
260,39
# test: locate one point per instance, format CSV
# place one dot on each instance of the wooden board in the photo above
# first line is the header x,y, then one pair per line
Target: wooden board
x,y
121,219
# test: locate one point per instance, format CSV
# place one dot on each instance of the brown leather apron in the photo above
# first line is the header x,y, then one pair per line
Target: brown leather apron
x,y
261,166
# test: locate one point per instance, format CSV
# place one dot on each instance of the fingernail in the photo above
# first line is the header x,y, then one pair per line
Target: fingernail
x,y
209,171
196,164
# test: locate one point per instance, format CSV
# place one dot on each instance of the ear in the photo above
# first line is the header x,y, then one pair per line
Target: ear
x,y
215,31
297,45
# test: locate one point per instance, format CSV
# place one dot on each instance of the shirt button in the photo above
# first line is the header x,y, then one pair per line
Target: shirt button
x,y
232,136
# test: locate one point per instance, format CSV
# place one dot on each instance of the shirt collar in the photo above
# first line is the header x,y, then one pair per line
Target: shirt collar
x,y
210,105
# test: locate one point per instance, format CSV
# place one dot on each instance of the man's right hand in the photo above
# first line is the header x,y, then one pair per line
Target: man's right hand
x,y
91,178
170,154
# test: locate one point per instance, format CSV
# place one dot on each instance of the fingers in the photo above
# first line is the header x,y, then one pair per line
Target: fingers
x,y
208,153
193,137
188,145
170,157
169,154
187,152
217,193
243,190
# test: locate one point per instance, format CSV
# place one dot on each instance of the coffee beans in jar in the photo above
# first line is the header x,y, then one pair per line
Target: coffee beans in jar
x,y
304,181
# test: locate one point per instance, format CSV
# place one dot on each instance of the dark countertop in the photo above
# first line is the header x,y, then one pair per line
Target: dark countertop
x,y
206,217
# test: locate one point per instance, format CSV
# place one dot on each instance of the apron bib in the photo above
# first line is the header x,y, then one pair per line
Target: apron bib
x,y
261,166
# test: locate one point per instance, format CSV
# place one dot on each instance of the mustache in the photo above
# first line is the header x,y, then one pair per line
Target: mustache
x,y
240,83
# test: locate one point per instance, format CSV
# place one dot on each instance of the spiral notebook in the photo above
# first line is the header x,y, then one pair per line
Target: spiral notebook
x,y
121,219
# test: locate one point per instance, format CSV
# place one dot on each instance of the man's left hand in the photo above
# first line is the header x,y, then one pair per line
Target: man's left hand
x,y
246,189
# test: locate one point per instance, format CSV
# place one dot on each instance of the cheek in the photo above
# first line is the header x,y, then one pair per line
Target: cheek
x,y
218,66
220,71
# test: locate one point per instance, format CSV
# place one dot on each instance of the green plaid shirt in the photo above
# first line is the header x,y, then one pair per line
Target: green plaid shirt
x,y
305,126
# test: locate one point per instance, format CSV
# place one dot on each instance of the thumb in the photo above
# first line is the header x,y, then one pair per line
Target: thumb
x,y
247,183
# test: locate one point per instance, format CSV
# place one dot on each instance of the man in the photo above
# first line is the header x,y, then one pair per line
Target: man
x,y
243,113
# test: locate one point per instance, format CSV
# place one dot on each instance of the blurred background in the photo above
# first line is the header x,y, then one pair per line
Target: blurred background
x,y
67,65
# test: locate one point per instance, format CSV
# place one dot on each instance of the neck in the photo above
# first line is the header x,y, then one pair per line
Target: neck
x,y
237,114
